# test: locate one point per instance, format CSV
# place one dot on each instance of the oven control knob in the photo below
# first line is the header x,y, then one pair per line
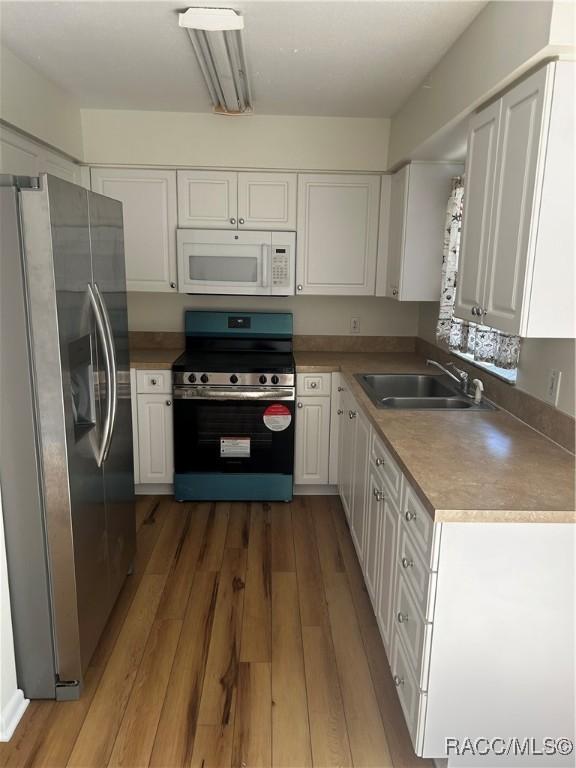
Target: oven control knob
x,y
262,379
234,379
204,378
275,379
192,378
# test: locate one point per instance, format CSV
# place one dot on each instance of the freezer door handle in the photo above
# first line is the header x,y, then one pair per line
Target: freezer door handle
x,y
114,369
108,366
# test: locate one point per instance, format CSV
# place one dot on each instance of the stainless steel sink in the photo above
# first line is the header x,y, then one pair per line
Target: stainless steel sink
x,y
416,392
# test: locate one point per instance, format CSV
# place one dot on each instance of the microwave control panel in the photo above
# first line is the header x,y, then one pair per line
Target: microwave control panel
x,y
280,266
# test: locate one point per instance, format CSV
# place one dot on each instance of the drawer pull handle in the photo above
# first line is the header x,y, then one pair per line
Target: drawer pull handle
x,y
402,618
398,681
378,495
380,462
410,516
339,411
407,563
352,414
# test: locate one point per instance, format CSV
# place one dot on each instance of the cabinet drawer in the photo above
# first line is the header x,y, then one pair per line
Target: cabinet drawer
x,y
148,382
412,699
313,383
387,467
417,521
414,631
421,579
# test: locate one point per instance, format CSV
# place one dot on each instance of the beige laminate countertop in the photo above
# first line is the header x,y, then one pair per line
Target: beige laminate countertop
x,y
479,466
153,359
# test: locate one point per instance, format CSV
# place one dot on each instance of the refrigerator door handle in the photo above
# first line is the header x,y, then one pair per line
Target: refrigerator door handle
x,y
108,366
114,369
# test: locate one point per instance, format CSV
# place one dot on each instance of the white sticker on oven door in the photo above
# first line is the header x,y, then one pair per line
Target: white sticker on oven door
x,y
234,447
277,417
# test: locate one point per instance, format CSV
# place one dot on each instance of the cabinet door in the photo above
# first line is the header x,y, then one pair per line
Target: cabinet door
x,y
373,555
337,234
155,439
148,200
397,229
518,158
360,483
388,548
208,199
312,440
267,201
336,418
478,193
347,447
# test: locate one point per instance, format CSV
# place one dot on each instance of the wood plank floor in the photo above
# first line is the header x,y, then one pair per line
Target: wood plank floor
x,y
244,638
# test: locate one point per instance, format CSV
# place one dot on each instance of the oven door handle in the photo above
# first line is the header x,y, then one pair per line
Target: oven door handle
x,y
222,393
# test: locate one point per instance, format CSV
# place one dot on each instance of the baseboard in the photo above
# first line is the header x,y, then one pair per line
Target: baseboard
x,y
315,490
154,489
11,714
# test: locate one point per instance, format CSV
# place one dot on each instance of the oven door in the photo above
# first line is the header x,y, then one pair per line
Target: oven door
x,y
230,431
218,262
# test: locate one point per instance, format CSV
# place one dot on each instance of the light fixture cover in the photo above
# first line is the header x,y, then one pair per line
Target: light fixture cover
x,y
216,36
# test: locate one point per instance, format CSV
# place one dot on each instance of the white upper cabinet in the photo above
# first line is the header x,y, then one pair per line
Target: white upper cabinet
x,y
480,166
208,199
267,201
337,234
232,200
409,268
21,157
525,273
148,200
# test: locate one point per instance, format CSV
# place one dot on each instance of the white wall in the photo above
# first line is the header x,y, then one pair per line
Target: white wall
x,y
537,358
12,701
36,105
312,314
504,40
250,141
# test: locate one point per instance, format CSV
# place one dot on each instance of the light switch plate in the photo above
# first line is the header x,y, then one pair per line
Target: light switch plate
x,y
553,390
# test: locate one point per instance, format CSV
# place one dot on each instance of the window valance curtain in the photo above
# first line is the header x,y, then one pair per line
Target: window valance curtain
x,y
485,344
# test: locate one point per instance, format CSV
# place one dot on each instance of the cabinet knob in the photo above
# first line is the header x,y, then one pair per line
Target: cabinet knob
x,y
232,221
395,292
398,681
378,495
380,462
153,382
240,221
339,411
410,515
313,384
402,617
299,405
340,389
168,402
298,287
407,563
352,414
172,284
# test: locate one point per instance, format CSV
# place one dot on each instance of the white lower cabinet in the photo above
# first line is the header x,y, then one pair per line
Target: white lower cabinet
x,y
312,440
153,433
387,549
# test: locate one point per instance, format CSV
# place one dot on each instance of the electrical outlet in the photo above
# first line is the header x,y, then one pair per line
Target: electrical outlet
x,y
554,379
354,325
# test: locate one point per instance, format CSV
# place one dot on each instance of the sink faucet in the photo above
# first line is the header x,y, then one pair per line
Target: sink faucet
x,y
459,376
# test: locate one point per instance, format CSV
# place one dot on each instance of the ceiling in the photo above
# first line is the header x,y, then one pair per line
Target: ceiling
x,y
333,58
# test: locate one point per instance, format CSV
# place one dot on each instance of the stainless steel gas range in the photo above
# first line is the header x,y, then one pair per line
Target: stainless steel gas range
x,y
234,398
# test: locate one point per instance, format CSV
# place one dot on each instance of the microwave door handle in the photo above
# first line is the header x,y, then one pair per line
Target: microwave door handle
x,y
114,368
108,366
264,265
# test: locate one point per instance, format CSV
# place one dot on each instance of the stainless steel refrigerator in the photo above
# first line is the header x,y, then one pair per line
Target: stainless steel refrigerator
x,y
66,466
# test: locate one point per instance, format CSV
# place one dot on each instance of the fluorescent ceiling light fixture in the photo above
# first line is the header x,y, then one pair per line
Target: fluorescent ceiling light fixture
x,y
216,36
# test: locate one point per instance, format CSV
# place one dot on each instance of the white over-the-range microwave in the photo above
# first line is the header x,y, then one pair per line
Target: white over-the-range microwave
x,y
234,262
